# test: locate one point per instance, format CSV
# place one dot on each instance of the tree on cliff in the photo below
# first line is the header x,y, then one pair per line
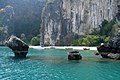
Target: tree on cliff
x,y
106,32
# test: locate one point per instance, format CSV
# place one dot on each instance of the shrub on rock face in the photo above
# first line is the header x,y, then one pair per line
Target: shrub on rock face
x,y
88,40
19,47
35,40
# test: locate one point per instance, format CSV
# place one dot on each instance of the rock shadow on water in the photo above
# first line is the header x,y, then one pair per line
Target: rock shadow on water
x,y
12,58
49,59
62,60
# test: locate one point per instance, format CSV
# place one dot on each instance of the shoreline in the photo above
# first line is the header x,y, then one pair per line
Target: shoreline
x,y
64,47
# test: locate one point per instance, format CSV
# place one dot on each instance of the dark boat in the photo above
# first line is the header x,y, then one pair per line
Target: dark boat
x,y
86,48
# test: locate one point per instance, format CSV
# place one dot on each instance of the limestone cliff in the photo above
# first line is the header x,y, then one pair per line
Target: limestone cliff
x,y
64,20
20,17
118,13
6,18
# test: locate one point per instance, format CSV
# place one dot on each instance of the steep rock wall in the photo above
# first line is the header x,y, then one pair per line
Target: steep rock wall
x,y
64,20
20,17
6,18
118,13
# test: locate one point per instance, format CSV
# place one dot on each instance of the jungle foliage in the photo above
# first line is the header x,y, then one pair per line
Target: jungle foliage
x,y
106,31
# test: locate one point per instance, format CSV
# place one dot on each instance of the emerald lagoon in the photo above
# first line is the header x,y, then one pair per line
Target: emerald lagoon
x,y
52,64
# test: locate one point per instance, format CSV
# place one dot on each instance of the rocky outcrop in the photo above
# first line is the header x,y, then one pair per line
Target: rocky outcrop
x,y
19,47
74,55
111,49
65,20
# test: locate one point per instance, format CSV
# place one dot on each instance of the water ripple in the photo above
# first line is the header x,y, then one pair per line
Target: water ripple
x,y
53,65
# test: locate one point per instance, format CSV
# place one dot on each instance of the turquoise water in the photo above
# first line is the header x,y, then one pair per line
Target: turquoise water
x,y
51,64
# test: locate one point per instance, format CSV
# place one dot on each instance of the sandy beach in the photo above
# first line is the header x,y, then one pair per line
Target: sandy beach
x,y
65,47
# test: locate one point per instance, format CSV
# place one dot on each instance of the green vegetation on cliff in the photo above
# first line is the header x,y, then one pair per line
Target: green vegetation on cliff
x,y
106,31
35,40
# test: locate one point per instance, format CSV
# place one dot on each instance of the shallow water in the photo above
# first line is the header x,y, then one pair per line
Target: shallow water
x,y
51,64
